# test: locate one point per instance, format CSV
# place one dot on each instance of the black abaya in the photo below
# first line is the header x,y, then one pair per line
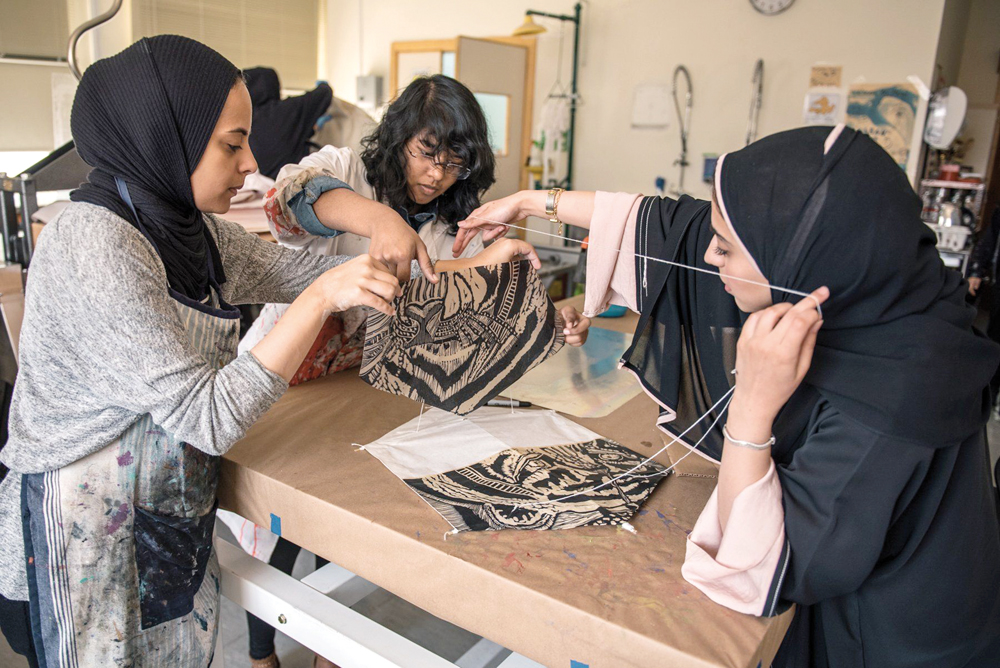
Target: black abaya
x,y
892,552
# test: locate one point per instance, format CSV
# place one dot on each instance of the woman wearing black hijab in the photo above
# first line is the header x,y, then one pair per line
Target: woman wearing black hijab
x,y
854,479
129,385
282,128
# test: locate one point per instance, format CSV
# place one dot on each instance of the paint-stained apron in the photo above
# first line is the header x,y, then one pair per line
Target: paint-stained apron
x,y
121,568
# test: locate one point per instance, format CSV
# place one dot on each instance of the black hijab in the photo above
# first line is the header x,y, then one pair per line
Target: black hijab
x,y
282,128
897,352
685,343
145,116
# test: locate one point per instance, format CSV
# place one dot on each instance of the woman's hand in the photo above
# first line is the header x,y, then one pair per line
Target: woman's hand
x,y
773,354
974,284
362,281
576,327
505,250
492,219
395,244
772,357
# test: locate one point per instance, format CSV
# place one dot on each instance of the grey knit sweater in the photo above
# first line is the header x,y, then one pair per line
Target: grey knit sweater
x,y
102,345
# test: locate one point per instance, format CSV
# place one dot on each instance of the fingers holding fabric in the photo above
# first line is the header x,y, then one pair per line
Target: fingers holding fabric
x,y
361,281
576,326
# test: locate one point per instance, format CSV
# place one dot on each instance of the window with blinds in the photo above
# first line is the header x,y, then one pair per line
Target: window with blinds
x,y
282,35
34,28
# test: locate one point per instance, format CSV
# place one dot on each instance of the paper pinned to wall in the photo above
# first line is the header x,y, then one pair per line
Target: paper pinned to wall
x,y
651,106
825,75
63,91
823,107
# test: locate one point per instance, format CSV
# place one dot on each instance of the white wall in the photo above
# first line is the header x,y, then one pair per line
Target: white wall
x,y
980,54
977,76
629,42
951,44
967,57
26,115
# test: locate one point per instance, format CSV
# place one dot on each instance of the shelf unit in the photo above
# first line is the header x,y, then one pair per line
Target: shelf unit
x,y
956,259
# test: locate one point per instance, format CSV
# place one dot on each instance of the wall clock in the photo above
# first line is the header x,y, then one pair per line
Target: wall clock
x,y
771,7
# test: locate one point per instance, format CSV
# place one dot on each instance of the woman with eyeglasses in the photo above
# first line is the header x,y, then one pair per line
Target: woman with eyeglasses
x,y
423,169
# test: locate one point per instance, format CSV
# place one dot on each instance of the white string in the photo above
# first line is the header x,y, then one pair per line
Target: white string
x,y
675,439
691,448
662,261
420,416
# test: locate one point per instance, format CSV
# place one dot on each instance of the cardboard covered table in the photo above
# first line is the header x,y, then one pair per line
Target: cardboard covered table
x,y
598,597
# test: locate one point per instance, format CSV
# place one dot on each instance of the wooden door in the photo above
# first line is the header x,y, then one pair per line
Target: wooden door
x,y
496,73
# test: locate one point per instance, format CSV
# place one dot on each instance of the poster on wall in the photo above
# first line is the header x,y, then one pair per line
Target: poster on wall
x,y
823,107
63,90
886,113
825,75
651,106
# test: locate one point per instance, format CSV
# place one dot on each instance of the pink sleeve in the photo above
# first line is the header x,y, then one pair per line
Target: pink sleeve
x,y
611,253
736,569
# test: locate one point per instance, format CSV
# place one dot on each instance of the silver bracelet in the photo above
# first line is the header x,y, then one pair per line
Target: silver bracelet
x,y
747,444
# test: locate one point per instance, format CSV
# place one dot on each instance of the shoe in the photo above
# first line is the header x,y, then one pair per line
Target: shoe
x,y
266,662
320,662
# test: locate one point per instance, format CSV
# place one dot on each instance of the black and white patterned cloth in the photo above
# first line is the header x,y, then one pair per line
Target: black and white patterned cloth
x,y
543,488
457,344
525,469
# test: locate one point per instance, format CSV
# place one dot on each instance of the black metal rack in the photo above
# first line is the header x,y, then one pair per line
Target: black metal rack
x,y
62,169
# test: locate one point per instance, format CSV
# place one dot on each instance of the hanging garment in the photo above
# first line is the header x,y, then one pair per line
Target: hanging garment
x,y
526,469
282,127
119,544
458,343
344,125
550,146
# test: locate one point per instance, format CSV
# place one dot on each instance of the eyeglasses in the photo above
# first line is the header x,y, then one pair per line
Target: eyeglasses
x,y
453,169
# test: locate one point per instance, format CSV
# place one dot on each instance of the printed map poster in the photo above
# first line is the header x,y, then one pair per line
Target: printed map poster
x,y
886,113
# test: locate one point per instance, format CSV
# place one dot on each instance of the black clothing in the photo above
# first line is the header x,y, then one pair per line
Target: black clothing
x,y
892,551
145,116
282,128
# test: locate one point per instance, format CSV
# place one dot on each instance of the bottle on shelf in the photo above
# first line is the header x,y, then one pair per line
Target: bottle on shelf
x,y
934,210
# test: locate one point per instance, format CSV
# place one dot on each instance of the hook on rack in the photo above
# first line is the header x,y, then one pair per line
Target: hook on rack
x,y
84,27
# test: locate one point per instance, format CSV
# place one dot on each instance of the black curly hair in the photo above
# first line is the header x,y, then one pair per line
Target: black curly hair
x,y
455,125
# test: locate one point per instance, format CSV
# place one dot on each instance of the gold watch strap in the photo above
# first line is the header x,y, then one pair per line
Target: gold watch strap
x,y
552,207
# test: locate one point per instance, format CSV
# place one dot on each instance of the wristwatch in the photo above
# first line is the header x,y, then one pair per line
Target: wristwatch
x,y
552,207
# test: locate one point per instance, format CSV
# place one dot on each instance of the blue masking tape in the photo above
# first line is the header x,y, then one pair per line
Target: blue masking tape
x,y
276,527
577,664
